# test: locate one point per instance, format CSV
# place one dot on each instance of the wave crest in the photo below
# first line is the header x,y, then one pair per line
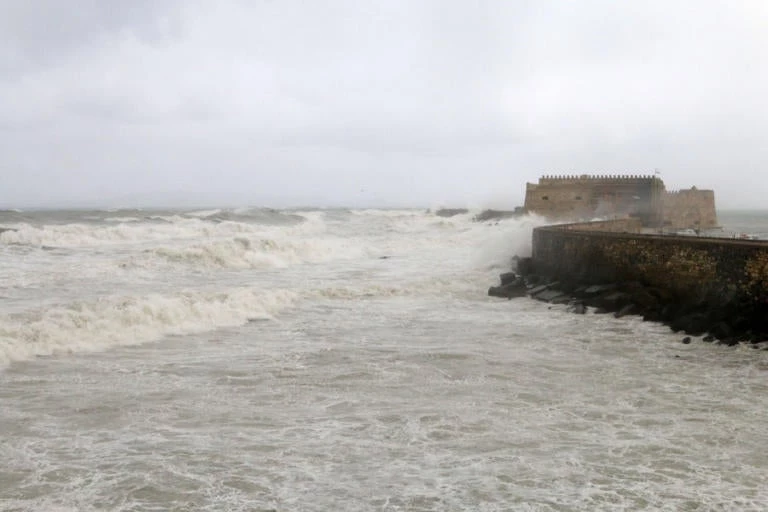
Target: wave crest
x,y
132,320
156,228
250,253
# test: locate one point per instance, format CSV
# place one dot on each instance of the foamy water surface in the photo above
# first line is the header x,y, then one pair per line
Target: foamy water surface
x,y
332,360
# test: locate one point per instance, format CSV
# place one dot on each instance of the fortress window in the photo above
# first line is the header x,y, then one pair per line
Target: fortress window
x,y
578,198
546,198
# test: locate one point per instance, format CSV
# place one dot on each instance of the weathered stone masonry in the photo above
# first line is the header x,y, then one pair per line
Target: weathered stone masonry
x,y
684,264
714,277
585,196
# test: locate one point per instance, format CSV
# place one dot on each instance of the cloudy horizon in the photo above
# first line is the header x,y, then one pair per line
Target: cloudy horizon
x,y
375,104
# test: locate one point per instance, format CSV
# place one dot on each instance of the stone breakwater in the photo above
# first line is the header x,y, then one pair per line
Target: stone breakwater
x,y
709,287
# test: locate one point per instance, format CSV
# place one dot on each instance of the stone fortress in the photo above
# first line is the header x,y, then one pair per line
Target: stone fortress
x,y
585,197
621,246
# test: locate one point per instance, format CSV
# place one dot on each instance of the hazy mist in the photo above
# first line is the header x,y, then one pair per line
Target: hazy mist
x,y
357,103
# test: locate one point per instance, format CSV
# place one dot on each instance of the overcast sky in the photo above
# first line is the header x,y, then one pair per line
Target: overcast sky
x,y
375,103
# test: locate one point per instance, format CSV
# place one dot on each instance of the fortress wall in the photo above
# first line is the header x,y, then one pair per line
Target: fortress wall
x,y
686,267
582,197
690,208
585,197
559,200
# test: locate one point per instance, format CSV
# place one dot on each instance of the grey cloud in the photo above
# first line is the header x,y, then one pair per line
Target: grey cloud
x,y
39,32
292,100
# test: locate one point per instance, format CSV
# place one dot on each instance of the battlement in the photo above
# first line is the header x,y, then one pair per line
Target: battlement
x,y
683,191
570,178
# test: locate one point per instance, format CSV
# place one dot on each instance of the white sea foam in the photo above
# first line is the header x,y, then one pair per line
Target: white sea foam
x,y
373,212
82,235
131,320
465,402
122,219
245,252
171,227
203,213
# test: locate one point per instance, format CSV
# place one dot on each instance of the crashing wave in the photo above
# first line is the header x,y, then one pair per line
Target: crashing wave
x,y
131,320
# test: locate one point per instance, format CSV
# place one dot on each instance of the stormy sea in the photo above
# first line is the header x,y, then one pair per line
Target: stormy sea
x,y
336,360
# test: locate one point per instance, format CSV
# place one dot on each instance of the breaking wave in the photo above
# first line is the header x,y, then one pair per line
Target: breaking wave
x,y
430,257
251,215
173,227
246,253
132,320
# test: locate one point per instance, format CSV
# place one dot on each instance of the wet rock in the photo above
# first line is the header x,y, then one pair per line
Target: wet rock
x,y
451,212
721,331
669,312
686,340
568,286
508,278
577,308
629,309
599,288
538,289
612,301
525,266
495,214
512,290
652,316
643,299
708,338
533,280
564,298
692,323
550,295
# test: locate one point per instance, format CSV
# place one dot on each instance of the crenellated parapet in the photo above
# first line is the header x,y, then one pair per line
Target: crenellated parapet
x,y
689,191
591,178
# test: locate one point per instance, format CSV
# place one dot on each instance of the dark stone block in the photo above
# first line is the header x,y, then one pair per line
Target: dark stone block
x,y
533,280
693,323
599,288
652,315
538,289
450,212
562,299
495,214
669,312
510,291
686,340
525,266
629,309
643,298
549,295
721,331
578,308
507,278
496,291
611,301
